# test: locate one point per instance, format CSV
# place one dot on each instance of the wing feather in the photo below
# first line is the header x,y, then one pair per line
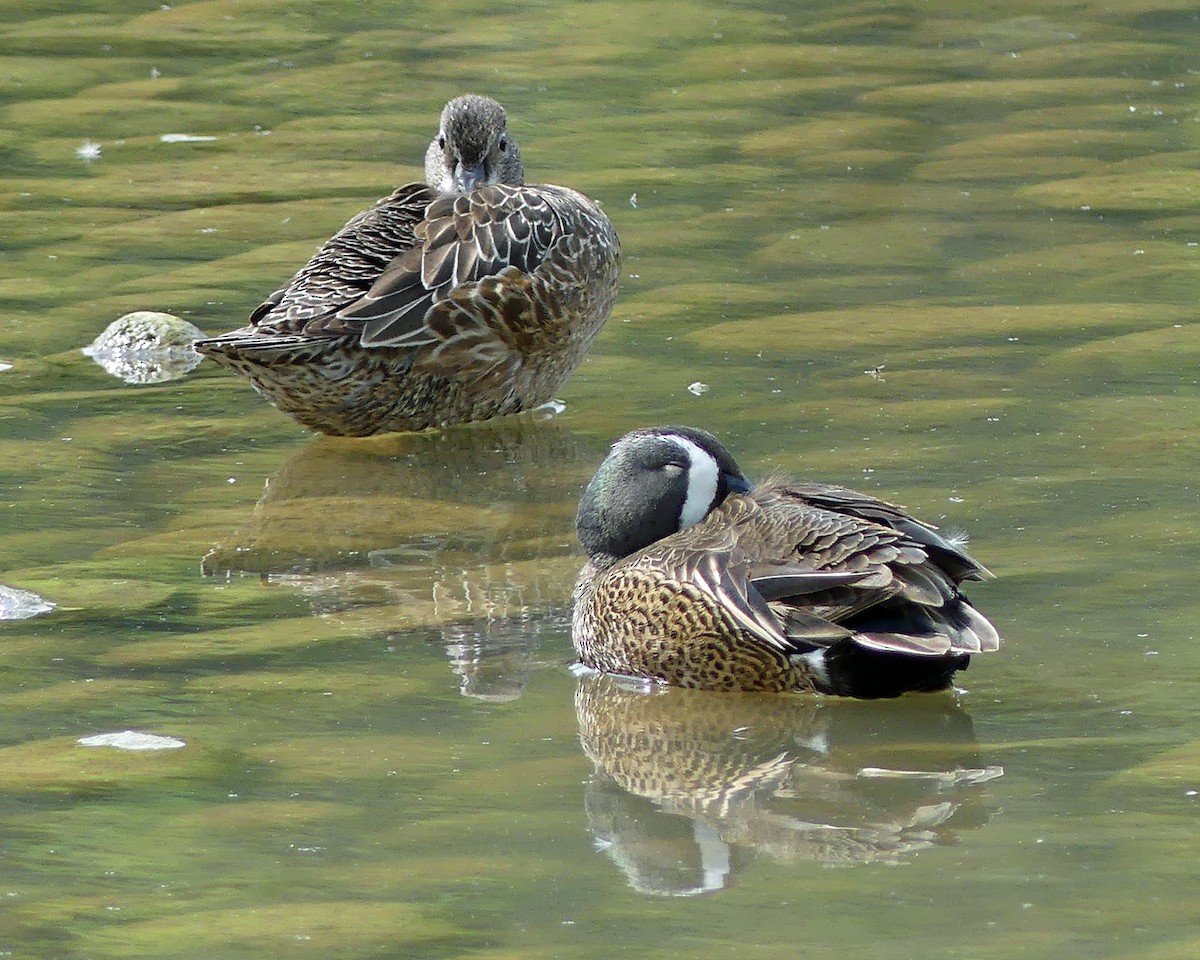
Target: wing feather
x,y
819,574
346,266
728,584
466,290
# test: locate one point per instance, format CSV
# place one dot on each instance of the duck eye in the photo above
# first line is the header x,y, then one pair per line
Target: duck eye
x,y
441,141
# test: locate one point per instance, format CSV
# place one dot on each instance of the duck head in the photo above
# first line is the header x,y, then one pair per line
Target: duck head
x,y
653,483
472,147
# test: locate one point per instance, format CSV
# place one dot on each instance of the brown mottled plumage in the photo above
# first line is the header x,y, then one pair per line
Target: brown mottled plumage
x,y
696,578
467,297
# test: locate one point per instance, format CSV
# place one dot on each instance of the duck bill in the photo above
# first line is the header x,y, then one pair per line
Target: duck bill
x,y
736,483
467,179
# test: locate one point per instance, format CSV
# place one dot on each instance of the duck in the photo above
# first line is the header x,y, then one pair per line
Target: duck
x,y
470,296
698,578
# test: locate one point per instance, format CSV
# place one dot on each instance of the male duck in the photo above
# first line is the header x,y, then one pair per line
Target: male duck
x,y
469,296
697,578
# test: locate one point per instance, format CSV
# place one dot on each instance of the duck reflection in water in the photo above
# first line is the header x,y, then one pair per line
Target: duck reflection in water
x,y
460,536
690,786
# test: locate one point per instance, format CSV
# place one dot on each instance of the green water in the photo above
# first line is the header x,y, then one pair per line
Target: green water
x,y
944,252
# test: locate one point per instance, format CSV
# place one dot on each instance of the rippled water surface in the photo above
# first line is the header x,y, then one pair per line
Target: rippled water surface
x,y
944,253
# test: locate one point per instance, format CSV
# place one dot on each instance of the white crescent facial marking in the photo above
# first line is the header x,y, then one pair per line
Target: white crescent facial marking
x,y
703,474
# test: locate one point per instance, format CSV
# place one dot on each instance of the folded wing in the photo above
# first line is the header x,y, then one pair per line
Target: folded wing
x,y
803,567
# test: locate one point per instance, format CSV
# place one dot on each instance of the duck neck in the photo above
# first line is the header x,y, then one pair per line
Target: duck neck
x,y
602,561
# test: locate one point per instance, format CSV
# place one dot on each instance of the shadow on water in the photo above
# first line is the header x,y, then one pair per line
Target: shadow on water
x,y
468,530
690,786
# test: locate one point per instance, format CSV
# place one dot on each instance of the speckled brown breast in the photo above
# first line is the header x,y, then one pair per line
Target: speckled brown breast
x,y
636,620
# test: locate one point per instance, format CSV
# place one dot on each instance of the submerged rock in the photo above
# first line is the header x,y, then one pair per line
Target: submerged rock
x,y
146,347
21,604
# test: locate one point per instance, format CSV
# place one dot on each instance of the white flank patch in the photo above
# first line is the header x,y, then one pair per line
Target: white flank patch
x,y
703,474
815,661
132,740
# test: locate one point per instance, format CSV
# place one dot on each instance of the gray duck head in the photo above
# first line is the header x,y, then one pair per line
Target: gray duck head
x,y
472,147
653,483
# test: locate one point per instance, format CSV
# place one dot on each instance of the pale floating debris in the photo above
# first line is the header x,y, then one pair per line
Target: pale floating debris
x,y
5,366
185,138
633,200
21,604
88,150
697,388
131,740
146,347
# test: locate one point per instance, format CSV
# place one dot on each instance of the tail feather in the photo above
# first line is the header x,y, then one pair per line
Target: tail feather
x,y
239,347
851,670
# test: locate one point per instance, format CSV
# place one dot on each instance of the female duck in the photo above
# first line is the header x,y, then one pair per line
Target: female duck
x,y
466,297
697,578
